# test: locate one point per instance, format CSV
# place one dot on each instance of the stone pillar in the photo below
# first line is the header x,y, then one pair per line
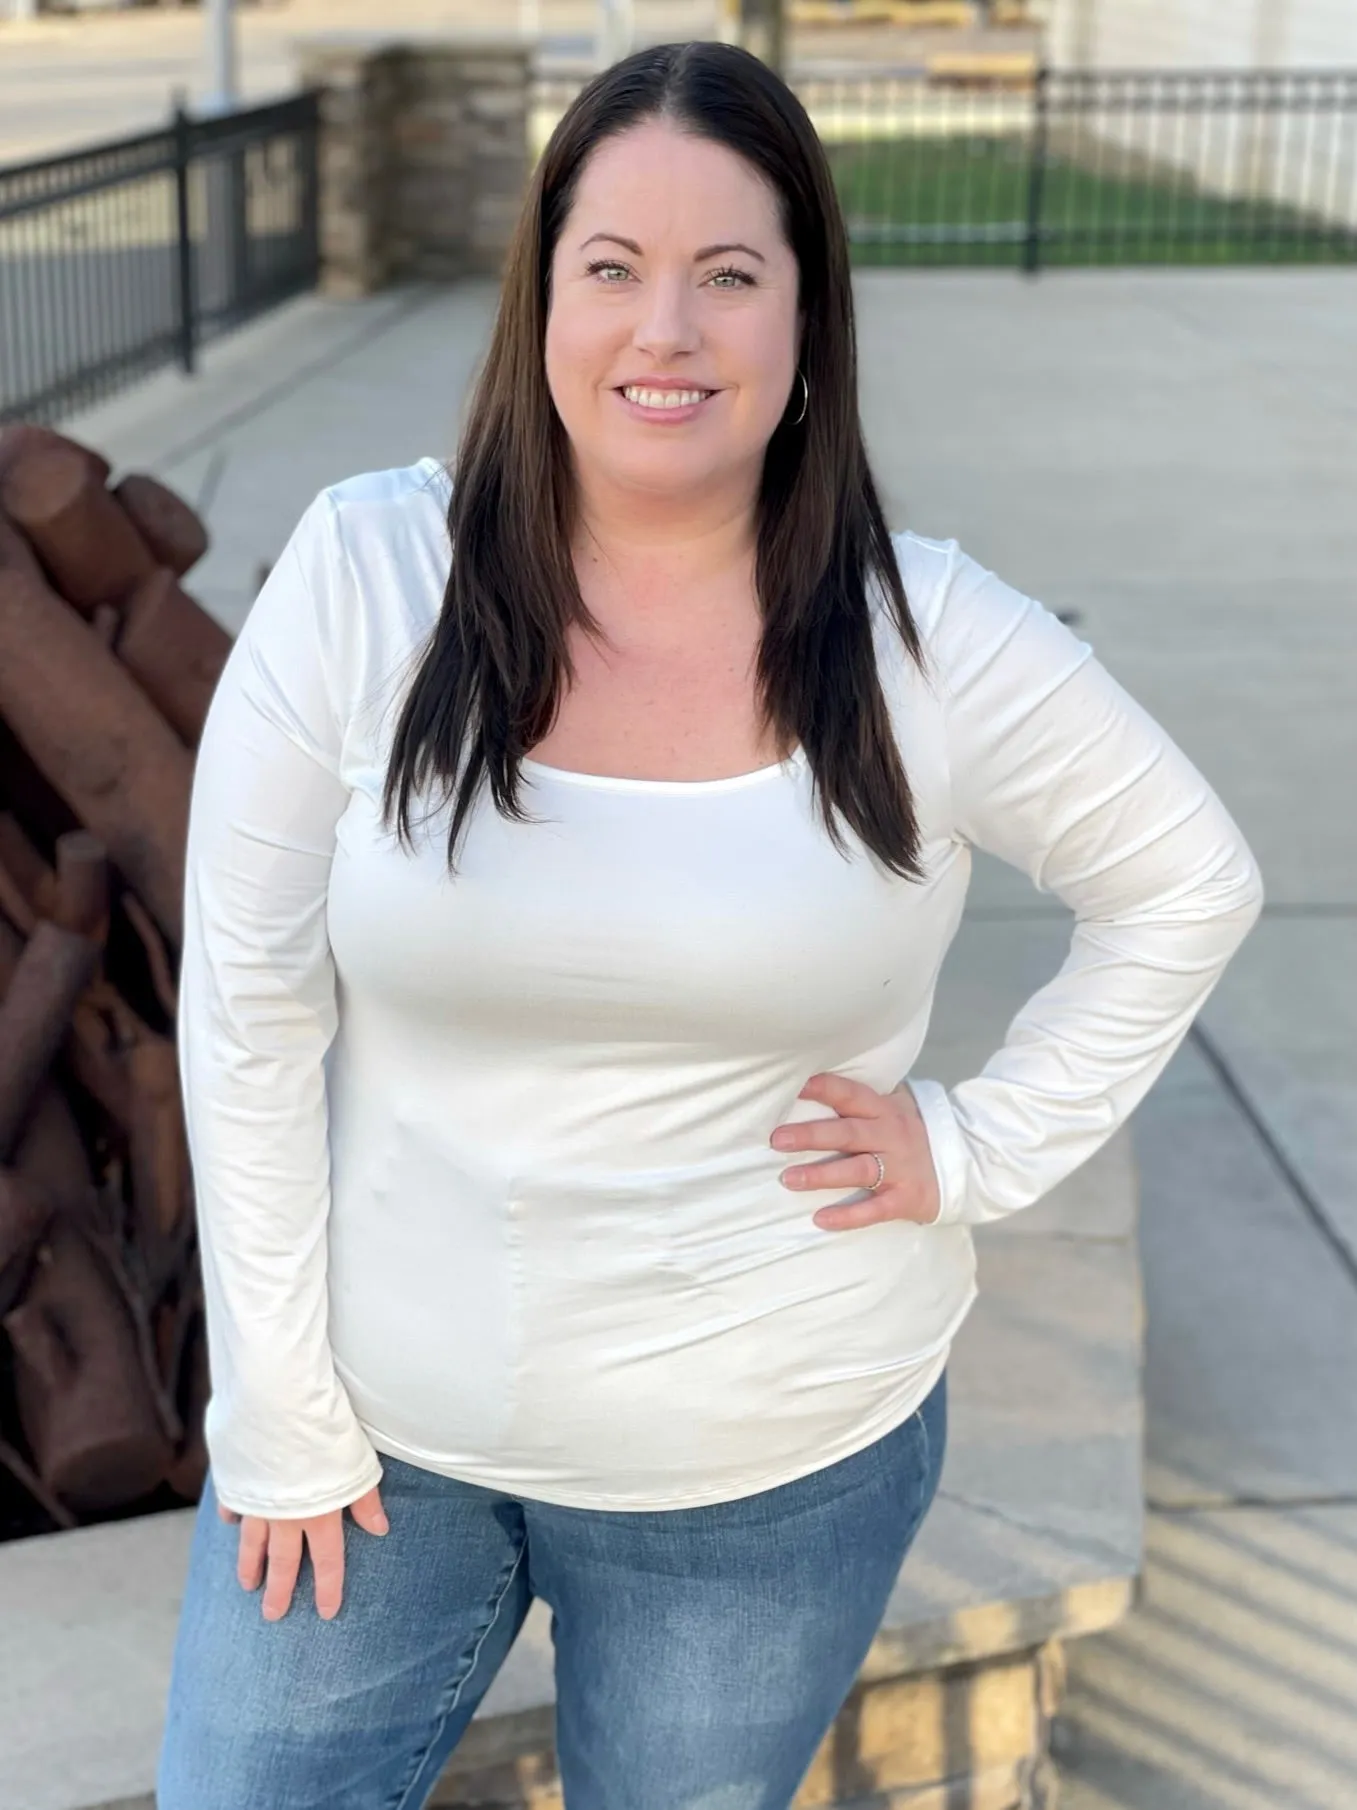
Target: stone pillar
x,y
424,157
359,83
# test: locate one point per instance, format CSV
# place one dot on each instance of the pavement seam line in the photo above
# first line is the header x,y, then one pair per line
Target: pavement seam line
x,y
1089,1544
261,404
1305,1196
1207,1505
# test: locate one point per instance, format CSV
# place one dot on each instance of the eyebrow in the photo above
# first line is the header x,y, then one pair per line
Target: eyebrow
x,y
707,251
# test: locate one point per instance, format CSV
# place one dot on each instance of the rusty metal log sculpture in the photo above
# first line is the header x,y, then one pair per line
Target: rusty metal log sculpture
x,y
85,1401
92,730
173,649
169,527
86,542
107,668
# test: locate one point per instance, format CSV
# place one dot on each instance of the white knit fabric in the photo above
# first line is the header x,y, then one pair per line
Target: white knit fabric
x,y
482,1163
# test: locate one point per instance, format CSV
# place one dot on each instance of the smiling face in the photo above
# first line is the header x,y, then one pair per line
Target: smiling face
x,y
671,337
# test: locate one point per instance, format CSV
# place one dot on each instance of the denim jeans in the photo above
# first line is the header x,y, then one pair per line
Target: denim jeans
x,y
701,1653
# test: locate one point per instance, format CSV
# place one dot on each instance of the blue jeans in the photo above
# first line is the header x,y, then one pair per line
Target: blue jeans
x,y
701,1653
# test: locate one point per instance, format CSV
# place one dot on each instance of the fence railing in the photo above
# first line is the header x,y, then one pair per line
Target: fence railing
x,y
125,257
1099,167
1026,167
122,258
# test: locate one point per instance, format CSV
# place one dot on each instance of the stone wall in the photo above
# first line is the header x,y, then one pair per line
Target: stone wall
x,y
965,1737
423,156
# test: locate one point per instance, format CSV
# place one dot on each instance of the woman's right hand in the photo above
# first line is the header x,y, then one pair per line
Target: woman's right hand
x,y
275,1547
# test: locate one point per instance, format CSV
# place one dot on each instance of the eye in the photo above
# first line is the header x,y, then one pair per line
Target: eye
x,y
731,278
601,264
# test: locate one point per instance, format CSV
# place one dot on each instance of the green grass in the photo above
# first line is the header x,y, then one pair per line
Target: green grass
x,y
973,192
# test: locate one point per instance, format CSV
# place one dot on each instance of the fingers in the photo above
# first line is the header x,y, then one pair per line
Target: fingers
x,y
843,1172
226,1514
844,1094
326,1540
250,1555
284,1562
368,1512
898,1204
271,1551
828,1134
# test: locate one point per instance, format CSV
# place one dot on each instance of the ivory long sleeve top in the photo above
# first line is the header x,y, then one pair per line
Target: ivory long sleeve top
x,y
482,1162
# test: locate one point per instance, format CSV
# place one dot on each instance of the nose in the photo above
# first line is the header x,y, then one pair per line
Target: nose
x,y
668,322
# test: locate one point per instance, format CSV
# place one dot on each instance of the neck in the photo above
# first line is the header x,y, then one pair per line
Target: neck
x,y
679,540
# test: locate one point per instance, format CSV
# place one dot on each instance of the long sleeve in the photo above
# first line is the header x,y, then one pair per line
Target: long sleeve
x,y
257,1013
1055,769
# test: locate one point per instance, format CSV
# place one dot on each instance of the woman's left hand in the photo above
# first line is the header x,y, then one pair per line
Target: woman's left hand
x,y
868,1122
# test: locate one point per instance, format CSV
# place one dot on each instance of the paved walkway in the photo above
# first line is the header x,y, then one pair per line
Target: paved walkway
x,y
1169,455
73,80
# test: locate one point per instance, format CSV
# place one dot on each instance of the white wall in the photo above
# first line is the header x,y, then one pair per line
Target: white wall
x,y
1201,34
1305,158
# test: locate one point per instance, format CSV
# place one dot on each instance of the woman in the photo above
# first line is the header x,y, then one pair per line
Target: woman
x,y
564,910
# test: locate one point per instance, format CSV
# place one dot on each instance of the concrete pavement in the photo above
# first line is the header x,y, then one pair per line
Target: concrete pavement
x,y
1169,455
74,80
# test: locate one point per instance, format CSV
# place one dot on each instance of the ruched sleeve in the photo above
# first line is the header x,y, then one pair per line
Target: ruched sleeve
x,y
257,1014
1056,770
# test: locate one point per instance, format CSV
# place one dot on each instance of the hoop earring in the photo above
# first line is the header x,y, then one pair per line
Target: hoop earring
x,y
805,400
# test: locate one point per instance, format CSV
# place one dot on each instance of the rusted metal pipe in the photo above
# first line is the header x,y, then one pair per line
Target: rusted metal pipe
x,y
172,530
14,903
94,733
103,1025
58,962
163,982
21,437
27,873
81,901
26,1210
53,971
173,649
85,1400
161,1174
52,1153
82,536
28,792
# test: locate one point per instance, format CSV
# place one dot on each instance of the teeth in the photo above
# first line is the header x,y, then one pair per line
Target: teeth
x,y
663,399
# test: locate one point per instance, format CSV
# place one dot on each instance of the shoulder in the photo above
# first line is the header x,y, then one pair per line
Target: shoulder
x,y
941,582
926,569
374,552
397,488
368,560
970,619
382,514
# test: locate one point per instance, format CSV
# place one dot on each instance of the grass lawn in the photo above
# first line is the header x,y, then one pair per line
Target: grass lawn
x,y
964,200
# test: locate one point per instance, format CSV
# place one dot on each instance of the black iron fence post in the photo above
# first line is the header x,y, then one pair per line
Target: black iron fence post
x,y
309,201
1036,175
187,322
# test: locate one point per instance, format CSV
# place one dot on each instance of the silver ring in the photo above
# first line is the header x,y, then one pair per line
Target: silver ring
x,y
880,1172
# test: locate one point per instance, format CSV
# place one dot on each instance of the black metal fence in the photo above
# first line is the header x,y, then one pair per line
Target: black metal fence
x,y
1102,167
120,259
125,257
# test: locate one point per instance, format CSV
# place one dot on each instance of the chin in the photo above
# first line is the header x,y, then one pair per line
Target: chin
x,y
659,472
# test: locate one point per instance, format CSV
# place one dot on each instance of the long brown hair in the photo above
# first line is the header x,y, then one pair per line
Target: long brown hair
x,y
487,688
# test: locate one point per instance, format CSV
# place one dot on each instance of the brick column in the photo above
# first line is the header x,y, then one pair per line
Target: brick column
x,y
424,157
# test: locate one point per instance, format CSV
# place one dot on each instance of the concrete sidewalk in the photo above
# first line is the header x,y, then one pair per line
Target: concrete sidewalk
x,y
1170,456
71,81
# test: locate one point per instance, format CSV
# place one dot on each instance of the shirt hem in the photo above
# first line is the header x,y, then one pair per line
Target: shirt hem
x,y
864,1434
